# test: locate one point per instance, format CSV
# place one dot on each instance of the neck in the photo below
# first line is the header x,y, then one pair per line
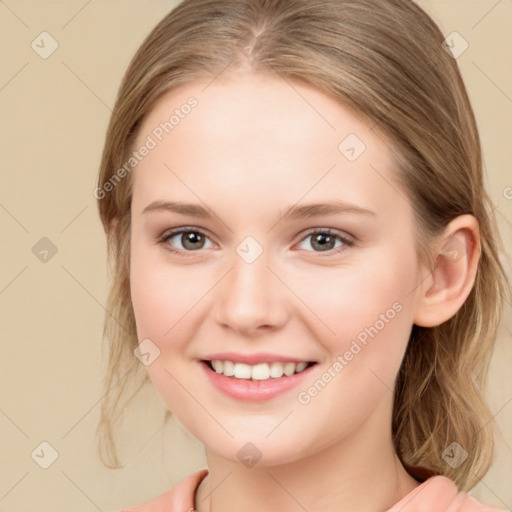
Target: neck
x,y
359,473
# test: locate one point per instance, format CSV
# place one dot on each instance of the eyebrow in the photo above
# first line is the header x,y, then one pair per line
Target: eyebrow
x,y
294,212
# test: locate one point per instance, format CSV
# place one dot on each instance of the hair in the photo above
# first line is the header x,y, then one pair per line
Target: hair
x,y
385,60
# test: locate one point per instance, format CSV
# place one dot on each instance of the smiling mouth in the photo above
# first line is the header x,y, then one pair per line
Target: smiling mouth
x,y
257,372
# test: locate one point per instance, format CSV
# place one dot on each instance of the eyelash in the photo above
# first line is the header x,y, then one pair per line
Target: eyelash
x,y
163,240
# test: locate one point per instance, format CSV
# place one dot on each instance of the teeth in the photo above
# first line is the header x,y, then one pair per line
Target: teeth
x,y
242,371
300,366
229,368
289,369
218,366
276,370
262,371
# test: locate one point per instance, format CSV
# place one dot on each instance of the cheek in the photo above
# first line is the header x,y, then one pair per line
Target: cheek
x,y
163,305
369,312
381,319
352,297
171,303
162,294
149,303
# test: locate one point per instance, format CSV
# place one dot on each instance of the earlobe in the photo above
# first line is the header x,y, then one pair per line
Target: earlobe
x,y
456,257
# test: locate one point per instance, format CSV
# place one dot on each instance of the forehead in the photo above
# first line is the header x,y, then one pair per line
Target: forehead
x,y
256,108
252,135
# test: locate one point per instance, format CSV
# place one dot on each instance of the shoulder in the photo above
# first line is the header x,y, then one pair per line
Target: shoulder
x,y
462,501
178,499
440,493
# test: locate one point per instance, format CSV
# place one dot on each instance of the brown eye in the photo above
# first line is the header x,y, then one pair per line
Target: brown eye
x,y
184,240
325,241
192,240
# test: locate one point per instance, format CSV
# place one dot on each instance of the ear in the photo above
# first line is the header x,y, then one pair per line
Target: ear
x,y
446,288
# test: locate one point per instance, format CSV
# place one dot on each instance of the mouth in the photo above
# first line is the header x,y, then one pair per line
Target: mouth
x,y
255,382
257,372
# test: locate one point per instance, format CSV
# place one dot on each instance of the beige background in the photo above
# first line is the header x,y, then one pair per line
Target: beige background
x,y
54,114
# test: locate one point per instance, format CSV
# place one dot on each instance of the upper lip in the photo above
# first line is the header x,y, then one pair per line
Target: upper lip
x,y
252,359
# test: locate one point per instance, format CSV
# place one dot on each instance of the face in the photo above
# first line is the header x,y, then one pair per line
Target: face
x,y
262,277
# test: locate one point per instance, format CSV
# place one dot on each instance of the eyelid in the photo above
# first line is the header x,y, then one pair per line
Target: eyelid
x,y
346,239
330,231
171,233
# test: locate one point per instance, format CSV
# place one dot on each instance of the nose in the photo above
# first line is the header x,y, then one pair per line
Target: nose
x,y
251,298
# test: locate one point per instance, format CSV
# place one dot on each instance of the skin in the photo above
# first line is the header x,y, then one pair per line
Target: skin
x,y
253,146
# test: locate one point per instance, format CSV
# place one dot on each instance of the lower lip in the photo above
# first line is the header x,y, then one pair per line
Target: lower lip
x,y
254,390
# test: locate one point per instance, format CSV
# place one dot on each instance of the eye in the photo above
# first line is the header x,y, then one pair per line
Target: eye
x,y
325,241
189,238
192,240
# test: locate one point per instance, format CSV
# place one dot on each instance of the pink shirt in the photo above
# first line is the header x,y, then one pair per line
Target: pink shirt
x,y
436,494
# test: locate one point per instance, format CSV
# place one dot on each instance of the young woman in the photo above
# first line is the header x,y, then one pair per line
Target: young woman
x,y
305,260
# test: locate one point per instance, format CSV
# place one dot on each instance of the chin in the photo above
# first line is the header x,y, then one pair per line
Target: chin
x,y
257,451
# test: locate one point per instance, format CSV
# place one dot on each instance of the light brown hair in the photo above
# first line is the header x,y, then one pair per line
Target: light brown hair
x,y
383,58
